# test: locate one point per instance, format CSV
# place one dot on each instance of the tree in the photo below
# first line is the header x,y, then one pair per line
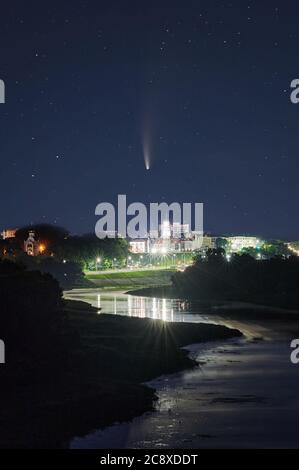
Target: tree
x,y
31,321
222,243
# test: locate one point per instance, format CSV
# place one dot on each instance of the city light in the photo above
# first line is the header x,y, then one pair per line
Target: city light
x,y
41,248
98,260
293,250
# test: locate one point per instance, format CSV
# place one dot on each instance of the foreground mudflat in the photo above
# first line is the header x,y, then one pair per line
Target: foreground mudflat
x,y
102,382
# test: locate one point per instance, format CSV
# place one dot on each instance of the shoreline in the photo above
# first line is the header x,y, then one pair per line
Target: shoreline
x,y
104,382
219,306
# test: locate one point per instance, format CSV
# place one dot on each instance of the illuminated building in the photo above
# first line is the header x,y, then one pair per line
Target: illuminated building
x,y
31,245
236,244
176,238
9,233
203,242
165,230
139,246
168,230
169,241
180,230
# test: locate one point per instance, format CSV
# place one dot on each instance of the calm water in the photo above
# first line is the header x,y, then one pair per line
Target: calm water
x,y
244,394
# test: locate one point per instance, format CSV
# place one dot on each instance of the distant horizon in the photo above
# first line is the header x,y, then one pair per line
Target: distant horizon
x,y
206,232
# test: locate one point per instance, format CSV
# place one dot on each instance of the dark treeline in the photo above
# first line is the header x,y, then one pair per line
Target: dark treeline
x,y
273,281
60,244
68,274
65,256
69,370
31,322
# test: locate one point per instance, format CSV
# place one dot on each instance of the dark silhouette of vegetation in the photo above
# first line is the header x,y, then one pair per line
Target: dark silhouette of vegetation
x,y
268,250
58,243
31,322
69,370
86,249
65,256
221,243
272,281
69,274
47,233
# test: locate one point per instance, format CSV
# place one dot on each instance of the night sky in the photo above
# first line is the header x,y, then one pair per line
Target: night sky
x,y
202,86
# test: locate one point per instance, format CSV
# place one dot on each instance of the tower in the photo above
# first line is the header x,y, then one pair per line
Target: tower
x,y
30,245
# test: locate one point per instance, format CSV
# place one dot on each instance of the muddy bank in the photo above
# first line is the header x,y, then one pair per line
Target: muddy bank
x,y
102,382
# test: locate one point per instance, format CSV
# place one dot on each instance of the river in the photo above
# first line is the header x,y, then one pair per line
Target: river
x,y
245,392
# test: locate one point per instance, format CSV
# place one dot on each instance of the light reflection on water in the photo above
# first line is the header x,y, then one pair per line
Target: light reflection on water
x,y
135,306
244,395
171,310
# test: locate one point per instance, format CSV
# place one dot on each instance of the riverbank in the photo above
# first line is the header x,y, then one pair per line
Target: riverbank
x,y
110,358
130,279
228,307
247,383
243,396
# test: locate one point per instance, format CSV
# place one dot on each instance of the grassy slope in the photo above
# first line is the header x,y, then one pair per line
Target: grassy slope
x,y
131,279
155,273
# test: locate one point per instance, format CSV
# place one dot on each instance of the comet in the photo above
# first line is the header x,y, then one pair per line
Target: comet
x,y
147,161
146,151
147,140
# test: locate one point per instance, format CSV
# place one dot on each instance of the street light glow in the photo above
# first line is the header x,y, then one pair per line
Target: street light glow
x,y
41,248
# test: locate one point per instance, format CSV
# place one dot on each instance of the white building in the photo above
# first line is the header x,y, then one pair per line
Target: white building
x,y
203,242
31,245
236,244
9,233
165,230
168,230
139,246
180,230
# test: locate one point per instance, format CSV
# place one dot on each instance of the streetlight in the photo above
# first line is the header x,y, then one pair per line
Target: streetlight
x,y
98,260
41,248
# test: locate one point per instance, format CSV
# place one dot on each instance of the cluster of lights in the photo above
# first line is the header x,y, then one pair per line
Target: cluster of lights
x,y
293,250
162,250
